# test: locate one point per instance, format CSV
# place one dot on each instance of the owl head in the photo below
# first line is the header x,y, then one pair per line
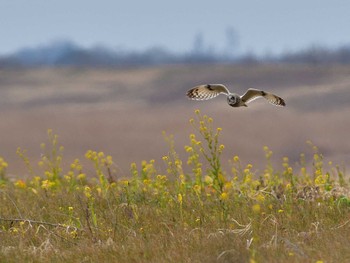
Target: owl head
x,y
235,101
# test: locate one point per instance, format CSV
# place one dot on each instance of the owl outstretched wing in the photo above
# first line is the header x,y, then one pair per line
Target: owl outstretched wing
x,y
253,94
206,92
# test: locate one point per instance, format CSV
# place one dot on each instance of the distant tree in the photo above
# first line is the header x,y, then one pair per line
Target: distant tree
x,y
343,55
198,44
232,42
66,53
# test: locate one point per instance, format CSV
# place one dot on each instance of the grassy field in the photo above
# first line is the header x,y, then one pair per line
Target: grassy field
x,y
206,215
123,111
145,177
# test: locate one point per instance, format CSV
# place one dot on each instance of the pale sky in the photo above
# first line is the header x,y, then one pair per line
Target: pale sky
x,y
262,25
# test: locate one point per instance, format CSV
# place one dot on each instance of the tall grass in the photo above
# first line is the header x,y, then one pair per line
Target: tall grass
x,y
170,215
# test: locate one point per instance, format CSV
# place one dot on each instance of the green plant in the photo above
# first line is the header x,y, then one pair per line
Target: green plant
x,y
191,211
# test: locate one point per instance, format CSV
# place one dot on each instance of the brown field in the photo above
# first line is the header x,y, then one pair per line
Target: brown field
x,y
123,112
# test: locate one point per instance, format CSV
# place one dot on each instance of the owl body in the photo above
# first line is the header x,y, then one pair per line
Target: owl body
x,y
234,100
209,91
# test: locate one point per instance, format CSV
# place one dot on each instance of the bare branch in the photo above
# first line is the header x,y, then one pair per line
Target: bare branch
x,y
67,227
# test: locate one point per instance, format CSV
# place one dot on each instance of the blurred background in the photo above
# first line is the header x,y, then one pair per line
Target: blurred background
x,y
112,75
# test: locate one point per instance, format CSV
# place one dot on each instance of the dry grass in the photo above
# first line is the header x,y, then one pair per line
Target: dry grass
x,y
123,112
275,211
191,210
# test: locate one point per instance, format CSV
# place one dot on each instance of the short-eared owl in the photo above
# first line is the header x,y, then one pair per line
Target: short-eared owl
x,y
209,91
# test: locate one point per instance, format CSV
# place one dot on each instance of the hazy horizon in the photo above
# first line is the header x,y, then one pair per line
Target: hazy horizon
x,y
261,27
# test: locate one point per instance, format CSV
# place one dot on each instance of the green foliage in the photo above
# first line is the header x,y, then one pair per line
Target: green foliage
x,y
192,211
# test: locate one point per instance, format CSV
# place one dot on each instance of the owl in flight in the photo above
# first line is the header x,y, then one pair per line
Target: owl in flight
x,y
209,91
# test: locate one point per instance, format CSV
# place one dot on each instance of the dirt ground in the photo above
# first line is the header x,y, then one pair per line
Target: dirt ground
x,y
123,112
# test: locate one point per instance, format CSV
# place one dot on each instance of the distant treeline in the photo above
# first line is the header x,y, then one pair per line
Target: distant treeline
x,y
68,54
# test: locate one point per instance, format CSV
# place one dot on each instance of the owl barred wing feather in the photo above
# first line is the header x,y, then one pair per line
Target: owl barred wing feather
x,y
253,94
206,92
274,99
209,91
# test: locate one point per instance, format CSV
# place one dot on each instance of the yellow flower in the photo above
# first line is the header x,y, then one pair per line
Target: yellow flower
x,y
3,164
179,198
188,149
20,184
147,181
260,198
14,230
47,184
109,160
74,233
320,180
124,182
133,166
223,196
182,178
221,178
87,191
236,159
198,171
228,185
267,176
178,163
197,189
81,176
161,177
256,208
248,178
68,177
208,179
88,154
246,171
